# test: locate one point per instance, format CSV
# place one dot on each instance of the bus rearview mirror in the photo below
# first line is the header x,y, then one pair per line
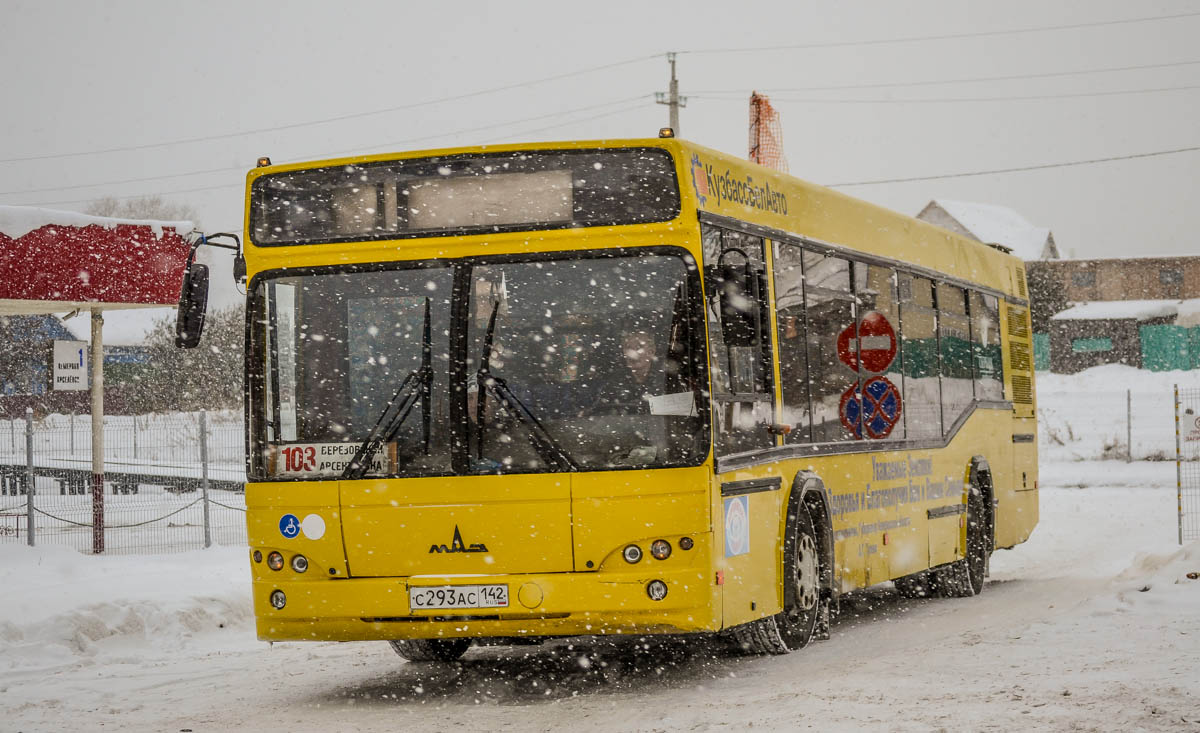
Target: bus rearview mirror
x,y
193,303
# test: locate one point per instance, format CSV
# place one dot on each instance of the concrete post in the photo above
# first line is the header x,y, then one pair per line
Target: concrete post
x,y
97,431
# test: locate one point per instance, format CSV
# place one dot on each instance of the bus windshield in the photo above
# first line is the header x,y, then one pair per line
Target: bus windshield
x,y
460,194
588,361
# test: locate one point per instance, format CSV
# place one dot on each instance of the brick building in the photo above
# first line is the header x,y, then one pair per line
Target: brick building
x,y
1144,312
1138,278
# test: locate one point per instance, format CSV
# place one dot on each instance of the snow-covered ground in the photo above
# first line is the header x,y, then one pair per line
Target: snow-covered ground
x,y
1094,624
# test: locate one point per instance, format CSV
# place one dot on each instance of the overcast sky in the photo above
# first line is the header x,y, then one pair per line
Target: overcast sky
x,y
185,96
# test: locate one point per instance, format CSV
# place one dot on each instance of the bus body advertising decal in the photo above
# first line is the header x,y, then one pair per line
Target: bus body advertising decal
x,y
737,526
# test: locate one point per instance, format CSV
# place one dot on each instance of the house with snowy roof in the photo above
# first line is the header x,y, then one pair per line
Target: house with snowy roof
x,y
992,224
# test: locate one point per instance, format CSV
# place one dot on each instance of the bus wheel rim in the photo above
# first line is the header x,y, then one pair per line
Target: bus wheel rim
x,y
806,573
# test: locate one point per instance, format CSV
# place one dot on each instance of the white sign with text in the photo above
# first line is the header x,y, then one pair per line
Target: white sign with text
x,y
70,365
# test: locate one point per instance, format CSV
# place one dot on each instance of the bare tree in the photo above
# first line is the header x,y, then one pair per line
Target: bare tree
x,y
148,207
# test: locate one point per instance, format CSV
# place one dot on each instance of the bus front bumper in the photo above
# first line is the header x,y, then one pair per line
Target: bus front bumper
x,y
550,604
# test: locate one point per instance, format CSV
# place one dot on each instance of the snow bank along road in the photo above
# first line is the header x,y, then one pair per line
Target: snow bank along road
x,y
1091,625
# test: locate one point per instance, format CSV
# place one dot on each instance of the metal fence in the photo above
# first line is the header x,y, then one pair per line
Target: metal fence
x,y
1128,425
169,486
1187,462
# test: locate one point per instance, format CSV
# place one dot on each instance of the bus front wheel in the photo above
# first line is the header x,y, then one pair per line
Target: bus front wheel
x,y
794,627
431,650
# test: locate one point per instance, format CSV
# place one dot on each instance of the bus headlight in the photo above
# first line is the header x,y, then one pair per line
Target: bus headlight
x,y
660,549
299,563
656,589
632,554
275,561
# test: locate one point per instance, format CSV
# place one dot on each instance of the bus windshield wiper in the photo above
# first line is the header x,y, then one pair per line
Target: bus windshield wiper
x,y
417,385
549,449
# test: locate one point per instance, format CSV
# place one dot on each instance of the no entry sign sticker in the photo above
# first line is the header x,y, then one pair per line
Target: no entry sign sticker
x,y
876,343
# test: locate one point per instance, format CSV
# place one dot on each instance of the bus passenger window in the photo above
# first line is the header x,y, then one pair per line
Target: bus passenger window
x,y
919,357
830,310
954,339
985,343
880,360
793,357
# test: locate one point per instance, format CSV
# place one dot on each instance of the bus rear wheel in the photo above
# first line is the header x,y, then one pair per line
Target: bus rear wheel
x,y
794,627
964,578
431,650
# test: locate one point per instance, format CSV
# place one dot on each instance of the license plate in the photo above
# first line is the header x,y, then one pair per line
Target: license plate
x,y
458,596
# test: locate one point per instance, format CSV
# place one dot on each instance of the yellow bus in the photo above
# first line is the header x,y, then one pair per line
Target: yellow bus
x,y
616,387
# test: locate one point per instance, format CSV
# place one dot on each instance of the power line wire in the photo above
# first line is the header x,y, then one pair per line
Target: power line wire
x,y
951,100
962,80
338,118
704,94
342,153
1045,166
580,72
939,37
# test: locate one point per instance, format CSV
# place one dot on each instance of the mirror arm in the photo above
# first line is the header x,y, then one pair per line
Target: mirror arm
x,y
239,260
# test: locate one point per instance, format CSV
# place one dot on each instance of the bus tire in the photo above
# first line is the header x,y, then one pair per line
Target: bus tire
x,y
964,578
431,650
795,626
917,585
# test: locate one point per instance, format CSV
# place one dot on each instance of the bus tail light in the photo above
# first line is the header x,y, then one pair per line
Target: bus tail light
x,y
278,600
275,561
660,549
632,554
299,563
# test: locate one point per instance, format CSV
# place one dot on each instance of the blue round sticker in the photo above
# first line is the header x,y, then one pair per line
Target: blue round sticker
x,y
289,526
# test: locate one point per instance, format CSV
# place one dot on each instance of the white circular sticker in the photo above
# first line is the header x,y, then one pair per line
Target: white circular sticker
x,y
313,527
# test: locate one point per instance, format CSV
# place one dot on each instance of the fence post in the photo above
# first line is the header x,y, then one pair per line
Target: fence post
x,y
1178,469
135,437
30,487
1129,426
204,475
72,434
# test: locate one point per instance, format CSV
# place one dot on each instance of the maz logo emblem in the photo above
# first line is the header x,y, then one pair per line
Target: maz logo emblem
x,y
457,545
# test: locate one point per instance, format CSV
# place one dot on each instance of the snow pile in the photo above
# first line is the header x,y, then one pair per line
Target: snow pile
x,y
17,221
1171,580
63,608
1141,310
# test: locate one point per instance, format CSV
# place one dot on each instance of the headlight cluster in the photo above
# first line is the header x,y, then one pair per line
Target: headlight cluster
x,y
275,560
659,550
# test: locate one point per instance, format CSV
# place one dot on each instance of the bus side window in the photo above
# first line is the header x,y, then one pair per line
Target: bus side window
x,y
985,344
829,310
793,355
919,355
954,341
741,381
879,350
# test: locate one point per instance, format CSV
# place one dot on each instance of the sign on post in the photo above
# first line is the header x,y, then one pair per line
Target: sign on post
x,y
70,365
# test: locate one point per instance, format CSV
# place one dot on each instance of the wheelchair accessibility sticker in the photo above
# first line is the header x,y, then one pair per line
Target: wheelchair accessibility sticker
x,y
737,526
289,526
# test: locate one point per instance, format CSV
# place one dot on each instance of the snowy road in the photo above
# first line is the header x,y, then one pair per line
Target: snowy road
x,y
1063,637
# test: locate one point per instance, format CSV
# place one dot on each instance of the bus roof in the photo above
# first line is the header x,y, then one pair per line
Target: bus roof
x,y
727,186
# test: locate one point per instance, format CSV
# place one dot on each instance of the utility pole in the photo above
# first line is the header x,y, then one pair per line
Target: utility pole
x,y
672,98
